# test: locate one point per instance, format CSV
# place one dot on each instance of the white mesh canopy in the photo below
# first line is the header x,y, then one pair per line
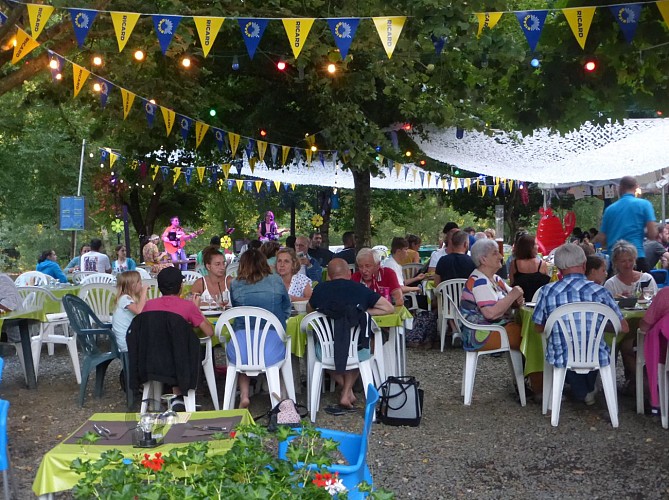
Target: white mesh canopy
x,y
590,153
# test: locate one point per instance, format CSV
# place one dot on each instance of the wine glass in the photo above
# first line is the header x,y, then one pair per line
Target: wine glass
x,y
222,299
168,400
648,294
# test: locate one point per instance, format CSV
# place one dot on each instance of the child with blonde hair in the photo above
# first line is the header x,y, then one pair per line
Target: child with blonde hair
x,y
130,300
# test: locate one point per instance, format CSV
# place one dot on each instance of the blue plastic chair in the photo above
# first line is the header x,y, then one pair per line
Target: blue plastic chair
x,y
2,365
4,451
352,446
661,277
89,330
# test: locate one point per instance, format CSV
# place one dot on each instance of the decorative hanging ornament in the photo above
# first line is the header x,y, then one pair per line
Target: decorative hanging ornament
x,y
317,220
117,226
226,241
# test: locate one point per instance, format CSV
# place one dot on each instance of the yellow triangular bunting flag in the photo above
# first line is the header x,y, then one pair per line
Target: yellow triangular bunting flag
x,y
79,76
443,184
468,184
234,142
483,188
277,185
177,173
381,158
240,185
309,155
389,29
398,167
220,184
262,148
292,186
252,163
284,154
429,178
495,189
112,159
413,173
258,185
168,118
297,31
155,171
39,15
487,20
207,28
24,45
200,131
128,98
664,10
580,19
510,186
200,173
124,23
226,170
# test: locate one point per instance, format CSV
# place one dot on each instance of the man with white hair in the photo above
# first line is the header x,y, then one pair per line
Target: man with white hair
x,y
308,265
382,280
574,287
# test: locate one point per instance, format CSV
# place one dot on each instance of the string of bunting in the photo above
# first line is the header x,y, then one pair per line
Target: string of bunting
x,y
252,29
580,19
212,174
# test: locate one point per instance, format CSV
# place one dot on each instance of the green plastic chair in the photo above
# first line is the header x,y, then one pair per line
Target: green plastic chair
x,y
90,330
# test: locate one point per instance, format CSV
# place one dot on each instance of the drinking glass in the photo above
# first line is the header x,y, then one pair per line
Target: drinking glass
x,y
648,293
169,413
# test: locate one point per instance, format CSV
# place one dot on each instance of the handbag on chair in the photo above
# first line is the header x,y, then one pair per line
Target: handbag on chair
x,y
401,402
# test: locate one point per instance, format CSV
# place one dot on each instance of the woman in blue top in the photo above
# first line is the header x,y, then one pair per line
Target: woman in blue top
x,y
48,265
75,263
122,263
256,286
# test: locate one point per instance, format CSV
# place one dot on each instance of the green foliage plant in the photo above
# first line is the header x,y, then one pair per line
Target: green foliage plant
x,y
251,469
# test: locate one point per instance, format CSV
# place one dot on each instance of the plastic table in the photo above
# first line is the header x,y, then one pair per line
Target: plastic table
x,y
54,472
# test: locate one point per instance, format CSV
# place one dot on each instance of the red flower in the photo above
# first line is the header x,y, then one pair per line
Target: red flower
x,y
155,464
233,434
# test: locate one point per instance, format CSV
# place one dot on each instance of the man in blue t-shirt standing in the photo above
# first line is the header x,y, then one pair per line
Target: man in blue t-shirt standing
x,y
628,219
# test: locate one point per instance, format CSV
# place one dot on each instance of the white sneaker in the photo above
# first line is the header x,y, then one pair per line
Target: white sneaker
x,y
590,398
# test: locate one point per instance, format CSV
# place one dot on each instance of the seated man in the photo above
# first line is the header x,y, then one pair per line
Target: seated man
x,y
574,287
308,265
94,260
380,279
456,263
10,300
449,229
339,289
348,252
322,255
170,281
398,250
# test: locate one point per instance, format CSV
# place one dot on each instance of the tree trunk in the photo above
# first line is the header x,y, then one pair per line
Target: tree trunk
x,y
363,208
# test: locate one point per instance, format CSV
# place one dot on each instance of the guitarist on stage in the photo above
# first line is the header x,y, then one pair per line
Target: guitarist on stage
x,y
268,230
175,238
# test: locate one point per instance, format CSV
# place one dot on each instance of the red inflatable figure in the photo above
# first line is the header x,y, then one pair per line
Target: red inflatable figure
x,y
550,231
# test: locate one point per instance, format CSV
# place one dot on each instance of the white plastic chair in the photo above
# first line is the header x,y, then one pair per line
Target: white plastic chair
x,y
587,320
78,276
231,270
537,294
257,323
153,292
153,390
208,368
410,270
663,388
190,277
33,278
35,298
323,332
101,298
103,278
448,289
471,358
382,250
143,273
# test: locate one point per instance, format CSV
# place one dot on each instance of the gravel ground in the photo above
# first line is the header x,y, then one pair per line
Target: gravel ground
x,y
492,449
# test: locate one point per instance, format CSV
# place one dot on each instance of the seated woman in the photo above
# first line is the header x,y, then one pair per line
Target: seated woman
x,y
527,270
595,269
75,263
269,250
256,286
487,300
214,286
155,258
626,283
122,263
288,267
48,264
656,325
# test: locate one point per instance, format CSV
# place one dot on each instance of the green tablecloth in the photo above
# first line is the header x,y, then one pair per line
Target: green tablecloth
x,y
50,306
54,472
37,315
532,347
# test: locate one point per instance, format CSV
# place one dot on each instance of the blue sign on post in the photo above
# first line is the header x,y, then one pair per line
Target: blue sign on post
x,y
72,213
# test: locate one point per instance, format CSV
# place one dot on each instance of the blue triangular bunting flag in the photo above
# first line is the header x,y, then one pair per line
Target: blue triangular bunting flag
x,y
252,32
532,24
188,173
82,20
185,125
343,31
230,184
422,177
105,87
406,172
150,112
3,19
165,27
438,42
219,135
627,16
274,149
165,170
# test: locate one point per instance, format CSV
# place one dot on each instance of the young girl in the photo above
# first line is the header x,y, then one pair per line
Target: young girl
x,y
130,300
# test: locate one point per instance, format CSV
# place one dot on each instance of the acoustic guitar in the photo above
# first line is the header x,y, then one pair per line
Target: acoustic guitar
x,y
178,239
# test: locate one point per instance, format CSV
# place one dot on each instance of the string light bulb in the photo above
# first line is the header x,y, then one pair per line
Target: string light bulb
x,y
53,64
281,65
97,87
59,76
332,68
139,55
314,148
97,61
235,63
185,62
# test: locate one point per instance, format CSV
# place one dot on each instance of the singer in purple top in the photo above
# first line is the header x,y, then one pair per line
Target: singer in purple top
x,y
268,230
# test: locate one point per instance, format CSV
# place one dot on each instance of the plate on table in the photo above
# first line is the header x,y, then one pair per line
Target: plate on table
x,y
531,304
211,312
